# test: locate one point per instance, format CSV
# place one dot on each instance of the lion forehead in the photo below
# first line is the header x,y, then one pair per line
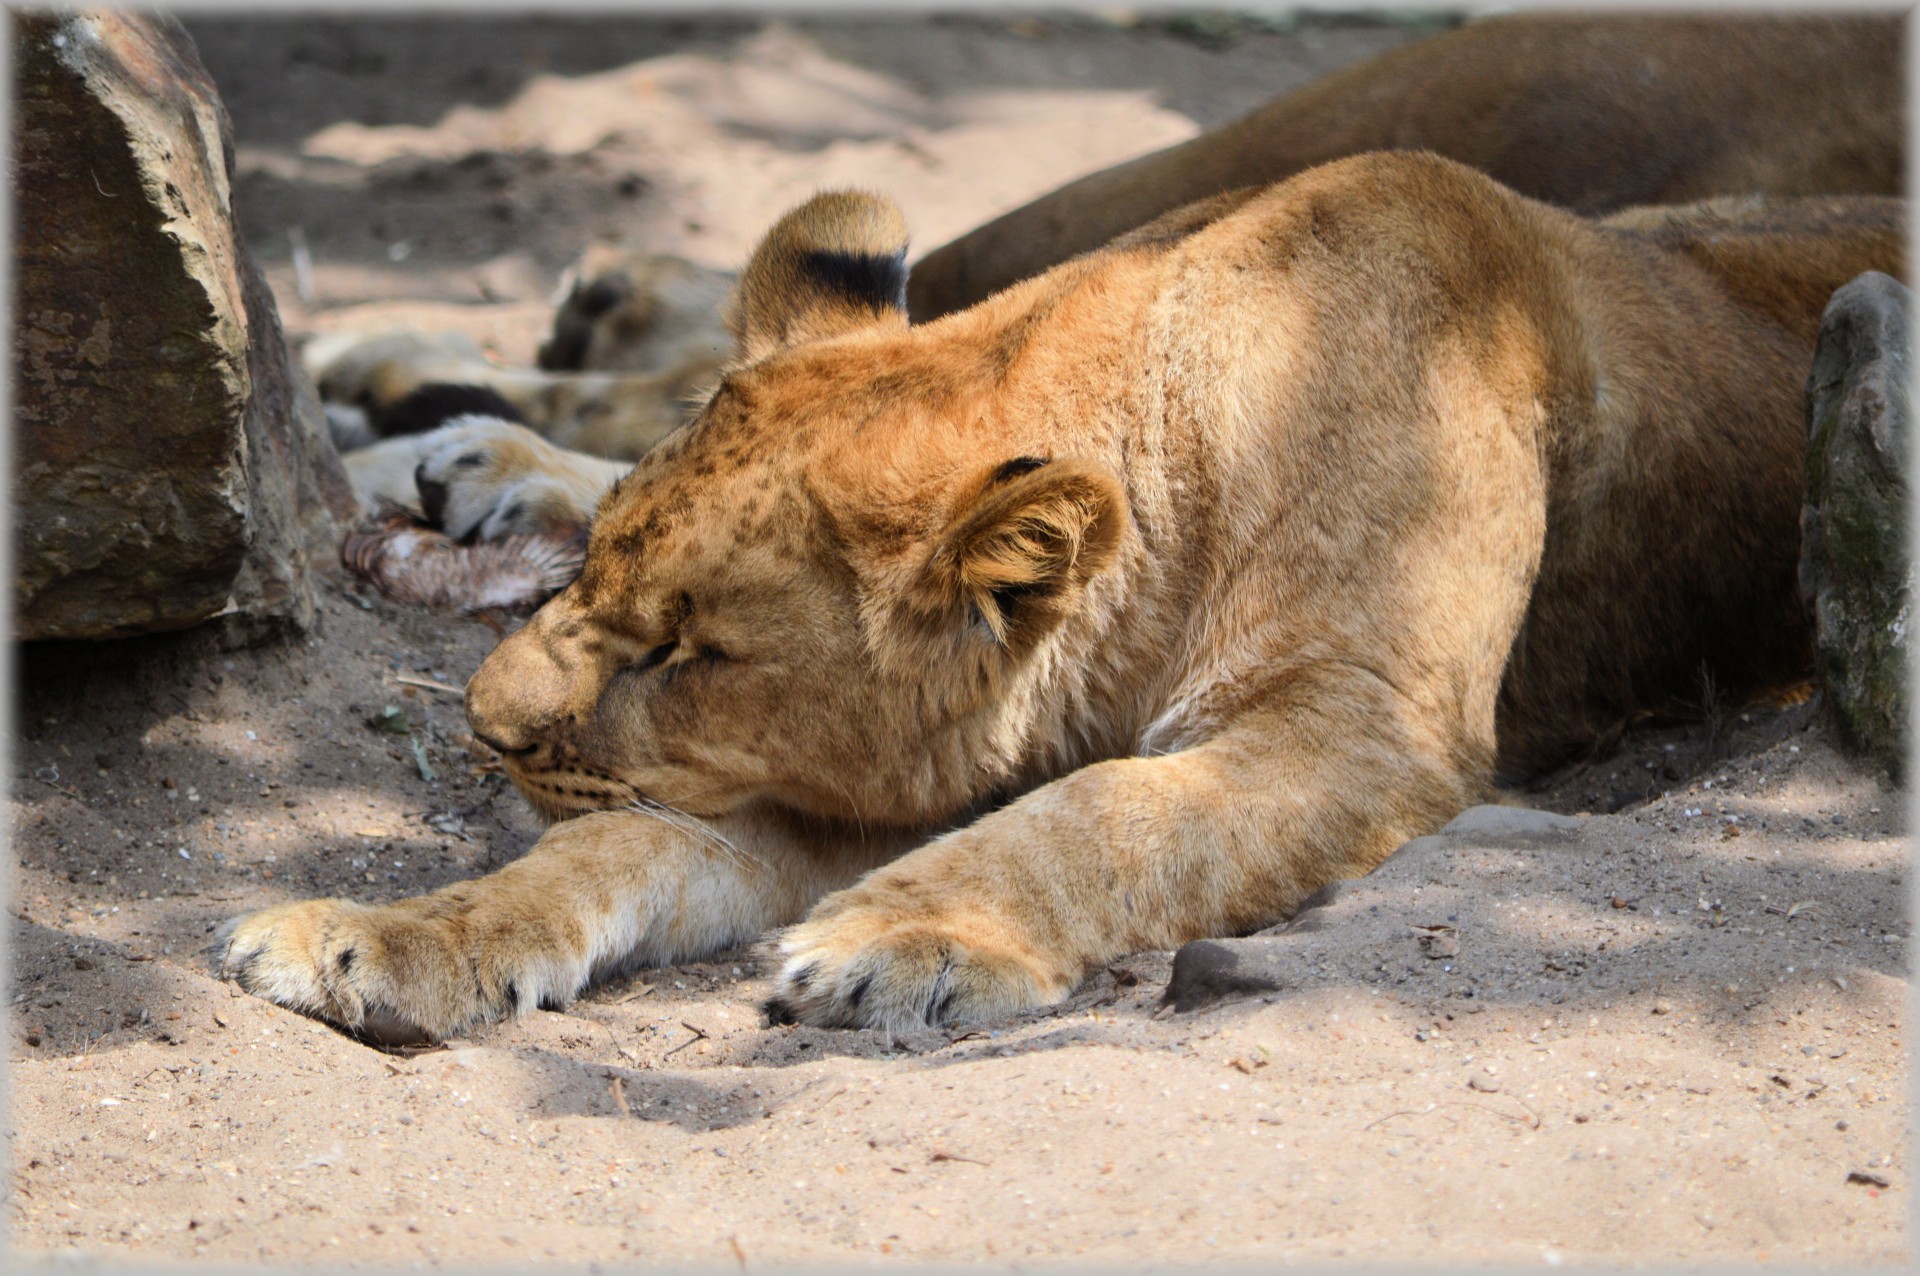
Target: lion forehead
x,y
696,525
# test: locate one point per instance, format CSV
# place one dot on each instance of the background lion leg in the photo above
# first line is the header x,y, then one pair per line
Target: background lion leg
x,y
1132,854
603,892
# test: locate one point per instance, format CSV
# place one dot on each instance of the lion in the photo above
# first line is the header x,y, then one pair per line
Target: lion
x,y
1132,605
1592,113
636,344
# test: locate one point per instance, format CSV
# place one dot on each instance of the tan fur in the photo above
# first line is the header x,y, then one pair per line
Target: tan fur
x,y
1590,112
1133,604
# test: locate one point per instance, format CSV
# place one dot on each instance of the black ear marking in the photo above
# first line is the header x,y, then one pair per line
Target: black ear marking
x,y
1016,467
869,280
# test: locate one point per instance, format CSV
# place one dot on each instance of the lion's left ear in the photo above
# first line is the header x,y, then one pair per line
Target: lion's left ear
x,y
835,264
1017,558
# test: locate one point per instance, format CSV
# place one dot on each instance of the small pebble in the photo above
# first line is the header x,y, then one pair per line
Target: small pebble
x,y
1663,1007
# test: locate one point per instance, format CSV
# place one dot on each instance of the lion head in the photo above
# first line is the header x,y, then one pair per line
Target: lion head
x,y
850,588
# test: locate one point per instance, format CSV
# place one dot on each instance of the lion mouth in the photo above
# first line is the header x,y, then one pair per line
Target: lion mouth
x,y
564,795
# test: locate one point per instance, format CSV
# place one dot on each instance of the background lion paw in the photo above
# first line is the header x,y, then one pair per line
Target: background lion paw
x,y
487,479
861,968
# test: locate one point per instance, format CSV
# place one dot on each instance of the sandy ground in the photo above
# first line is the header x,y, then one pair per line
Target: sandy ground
x,y
1675,1033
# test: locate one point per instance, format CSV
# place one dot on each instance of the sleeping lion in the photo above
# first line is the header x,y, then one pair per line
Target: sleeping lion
x,y
1130,605
1592,113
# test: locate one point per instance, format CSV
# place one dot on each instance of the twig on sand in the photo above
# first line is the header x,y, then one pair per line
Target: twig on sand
x,y
408,680
1529,1119
59,788
941,1154
699,1034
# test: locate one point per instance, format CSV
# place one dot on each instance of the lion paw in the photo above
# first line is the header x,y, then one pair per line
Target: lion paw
x,y
865,966
393,975
484,479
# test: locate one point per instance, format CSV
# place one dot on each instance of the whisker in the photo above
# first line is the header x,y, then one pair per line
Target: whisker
x,y
705,828
640,808
694,827
859,820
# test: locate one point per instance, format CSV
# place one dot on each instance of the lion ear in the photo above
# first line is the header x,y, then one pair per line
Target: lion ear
x,y
1018,556
835,264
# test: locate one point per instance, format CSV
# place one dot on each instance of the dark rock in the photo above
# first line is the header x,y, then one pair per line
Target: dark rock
x,y
1855,573
168,459
1311,915
1206,971
1508,824
1321,898
1490,825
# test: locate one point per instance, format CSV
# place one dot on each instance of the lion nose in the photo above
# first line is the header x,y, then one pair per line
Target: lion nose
x,y
500,700
491,712
498,746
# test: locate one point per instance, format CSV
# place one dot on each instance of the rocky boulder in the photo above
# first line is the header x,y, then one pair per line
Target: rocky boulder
x,y
168,461
1855,573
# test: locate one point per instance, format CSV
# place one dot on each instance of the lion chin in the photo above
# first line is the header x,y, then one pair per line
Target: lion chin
x,y
1132,605
561,794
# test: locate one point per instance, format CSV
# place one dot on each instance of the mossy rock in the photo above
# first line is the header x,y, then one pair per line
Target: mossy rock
x,y
1856,575
170,466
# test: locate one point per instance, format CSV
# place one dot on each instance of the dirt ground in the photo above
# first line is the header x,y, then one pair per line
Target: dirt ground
x,y
1676,1033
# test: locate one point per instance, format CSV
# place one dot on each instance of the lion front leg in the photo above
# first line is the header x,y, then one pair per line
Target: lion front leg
x,y
597,893
1122,856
